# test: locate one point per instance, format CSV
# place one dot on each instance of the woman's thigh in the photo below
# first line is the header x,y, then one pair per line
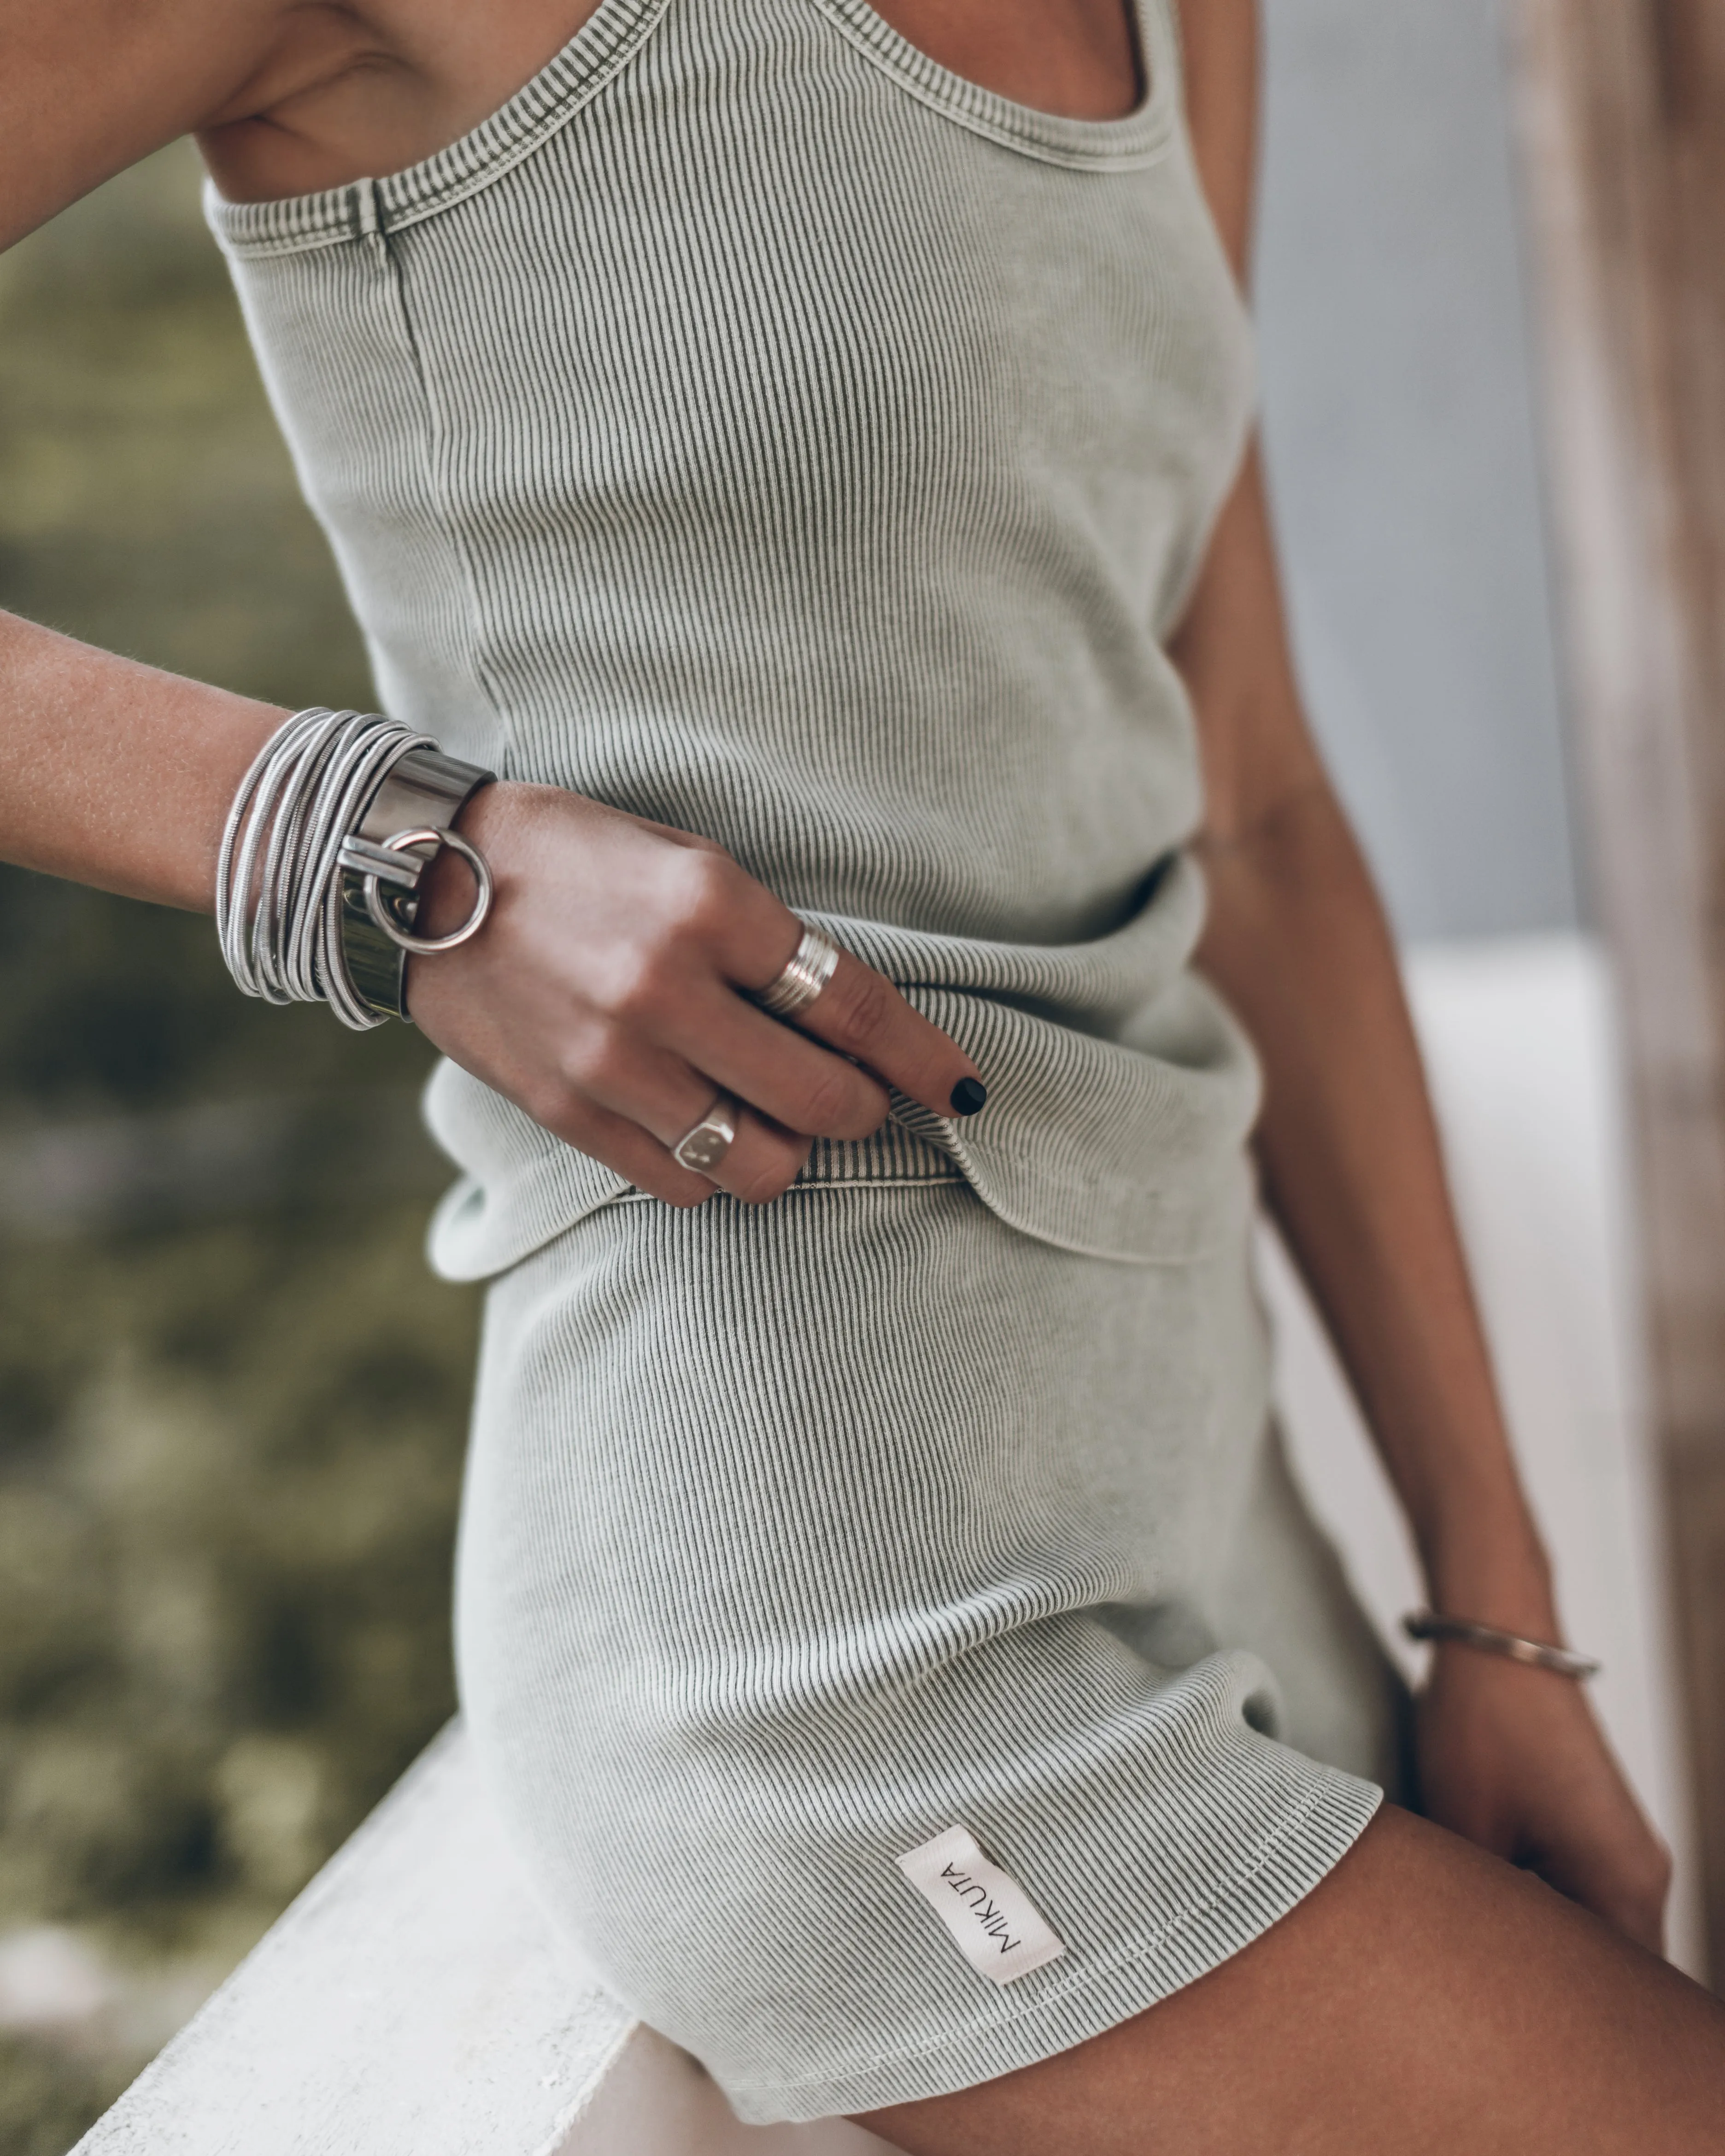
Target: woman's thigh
x,y
1424,1998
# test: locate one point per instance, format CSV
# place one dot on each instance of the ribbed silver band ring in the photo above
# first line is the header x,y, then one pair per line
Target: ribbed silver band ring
x,y
806,973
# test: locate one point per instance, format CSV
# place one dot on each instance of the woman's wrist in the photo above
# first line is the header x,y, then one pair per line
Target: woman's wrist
x,y
1502,1579
446,888
1480,1552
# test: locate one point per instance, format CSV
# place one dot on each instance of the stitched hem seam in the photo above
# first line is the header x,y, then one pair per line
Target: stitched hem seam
x,y
1140,1948
824,1183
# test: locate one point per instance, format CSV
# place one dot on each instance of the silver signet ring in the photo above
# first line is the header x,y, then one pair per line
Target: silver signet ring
x,y
801,978
704,1148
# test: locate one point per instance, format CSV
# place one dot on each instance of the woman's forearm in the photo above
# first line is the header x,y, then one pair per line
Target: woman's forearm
x,y
116,774
1298,942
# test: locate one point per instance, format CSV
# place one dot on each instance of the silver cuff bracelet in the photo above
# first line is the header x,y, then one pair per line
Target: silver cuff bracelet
x,y
382,863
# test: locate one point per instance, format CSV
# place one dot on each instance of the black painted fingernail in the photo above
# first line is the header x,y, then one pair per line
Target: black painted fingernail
x,y
969,1095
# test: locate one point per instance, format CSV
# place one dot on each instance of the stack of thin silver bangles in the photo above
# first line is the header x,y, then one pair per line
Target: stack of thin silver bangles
x,y
336,806
317,884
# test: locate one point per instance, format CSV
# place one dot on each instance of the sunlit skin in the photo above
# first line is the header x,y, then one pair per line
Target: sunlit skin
x,y
1426,1996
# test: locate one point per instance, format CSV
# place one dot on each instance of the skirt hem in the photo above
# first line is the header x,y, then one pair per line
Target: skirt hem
x,y
1302,1851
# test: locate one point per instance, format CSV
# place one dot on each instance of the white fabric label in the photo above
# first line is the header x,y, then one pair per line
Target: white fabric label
x,y
989,1915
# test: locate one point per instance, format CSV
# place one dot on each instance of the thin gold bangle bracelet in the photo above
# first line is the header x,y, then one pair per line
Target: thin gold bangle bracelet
x,y
1535,1654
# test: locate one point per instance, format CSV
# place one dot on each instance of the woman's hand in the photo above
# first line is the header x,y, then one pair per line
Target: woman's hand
x,y
604,996
1512,1757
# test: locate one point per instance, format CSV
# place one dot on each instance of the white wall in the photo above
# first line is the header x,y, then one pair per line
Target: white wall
x,y
1518,1035
1401,424
1398,412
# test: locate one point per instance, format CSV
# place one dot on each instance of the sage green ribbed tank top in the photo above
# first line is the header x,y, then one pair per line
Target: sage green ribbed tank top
x,y
760,428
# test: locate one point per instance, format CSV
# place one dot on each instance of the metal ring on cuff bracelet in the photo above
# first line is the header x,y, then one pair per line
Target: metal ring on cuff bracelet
x,y
368,855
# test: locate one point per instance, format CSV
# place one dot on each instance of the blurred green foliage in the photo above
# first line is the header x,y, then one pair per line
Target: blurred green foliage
x,y
229,1447
47,2099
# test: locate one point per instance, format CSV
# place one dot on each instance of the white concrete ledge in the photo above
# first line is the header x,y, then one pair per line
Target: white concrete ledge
x,y
411,2002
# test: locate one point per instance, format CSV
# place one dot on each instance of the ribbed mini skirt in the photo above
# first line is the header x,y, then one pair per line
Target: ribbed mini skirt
x,y
798,1539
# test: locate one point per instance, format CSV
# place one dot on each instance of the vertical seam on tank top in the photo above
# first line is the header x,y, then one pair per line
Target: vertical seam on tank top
x,y
436,434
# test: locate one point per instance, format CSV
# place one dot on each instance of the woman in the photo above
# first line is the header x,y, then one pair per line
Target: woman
x,y
814,432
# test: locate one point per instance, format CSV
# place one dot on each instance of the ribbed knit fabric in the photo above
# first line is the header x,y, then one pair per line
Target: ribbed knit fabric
x,y
794,1537
756,426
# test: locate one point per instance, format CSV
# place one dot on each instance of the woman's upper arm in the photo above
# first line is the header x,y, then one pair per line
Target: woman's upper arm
x,y
87,87
1232,647
1219,39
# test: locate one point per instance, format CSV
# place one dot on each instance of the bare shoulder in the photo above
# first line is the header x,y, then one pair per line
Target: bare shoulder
x,y
1220,42
347,91
285,97
87,87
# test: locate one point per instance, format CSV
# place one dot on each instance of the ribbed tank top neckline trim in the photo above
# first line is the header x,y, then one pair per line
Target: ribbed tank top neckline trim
x,y
1138,138
606,43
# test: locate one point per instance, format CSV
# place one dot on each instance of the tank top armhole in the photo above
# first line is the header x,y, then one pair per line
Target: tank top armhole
x,y
609,40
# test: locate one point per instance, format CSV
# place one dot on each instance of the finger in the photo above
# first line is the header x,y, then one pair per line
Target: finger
x,y
668,1099
860,1013
622,1145
790,1079
761,1162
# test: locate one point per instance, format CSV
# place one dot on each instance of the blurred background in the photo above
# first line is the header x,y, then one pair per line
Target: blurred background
x,y
232,1400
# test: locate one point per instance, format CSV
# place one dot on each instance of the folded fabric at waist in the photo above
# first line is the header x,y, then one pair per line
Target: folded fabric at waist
x,y
1120,1094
